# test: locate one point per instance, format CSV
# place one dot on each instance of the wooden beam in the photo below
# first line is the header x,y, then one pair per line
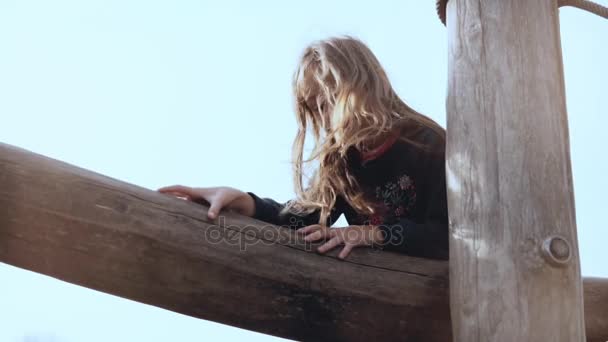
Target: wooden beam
x,y
98,232
514,261
95,231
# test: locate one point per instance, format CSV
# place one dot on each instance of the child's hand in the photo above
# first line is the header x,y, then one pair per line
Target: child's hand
x,y
351,236
218,198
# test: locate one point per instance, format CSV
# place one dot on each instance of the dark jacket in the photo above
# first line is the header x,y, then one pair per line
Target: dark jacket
x,y
408,186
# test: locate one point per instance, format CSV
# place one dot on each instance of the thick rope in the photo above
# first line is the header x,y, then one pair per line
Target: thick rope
x,y
585,5
441,6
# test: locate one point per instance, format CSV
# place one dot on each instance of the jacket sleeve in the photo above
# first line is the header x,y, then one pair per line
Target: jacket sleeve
x,y
429,238
269,210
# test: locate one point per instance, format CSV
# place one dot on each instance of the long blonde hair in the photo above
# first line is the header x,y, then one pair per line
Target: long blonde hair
x,y
344,95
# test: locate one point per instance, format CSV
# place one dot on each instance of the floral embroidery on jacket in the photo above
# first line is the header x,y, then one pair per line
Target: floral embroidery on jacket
x,y
396,199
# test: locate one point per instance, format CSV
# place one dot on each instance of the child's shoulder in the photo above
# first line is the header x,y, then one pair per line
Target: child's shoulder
x,y
431,138
434,135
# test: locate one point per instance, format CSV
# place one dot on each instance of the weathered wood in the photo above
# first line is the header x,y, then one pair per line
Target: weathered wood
x,y
95,231
98,232
509,176
596,309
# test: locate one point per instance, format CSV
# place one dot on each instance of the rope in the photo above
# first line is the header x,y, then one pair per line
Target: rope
x,y
585,5
441,5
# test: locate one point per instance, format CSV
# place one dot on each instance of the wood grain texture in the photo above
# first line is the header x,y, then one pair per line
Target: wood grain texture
x,y
596,309
509,175
95,231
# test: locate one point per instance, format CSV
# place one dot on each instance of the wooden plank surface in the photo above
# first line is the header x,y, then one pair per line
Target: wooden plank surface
x,y
95,231
514,267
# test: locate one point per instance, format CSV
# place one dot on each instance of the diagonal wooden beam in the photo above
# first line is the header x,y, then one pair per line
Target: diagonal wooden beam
x,y
101,233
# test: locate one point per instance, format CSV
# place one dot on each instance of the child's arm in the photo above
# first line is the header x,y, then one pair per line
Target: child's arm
x,y
249,204
268,210
217,198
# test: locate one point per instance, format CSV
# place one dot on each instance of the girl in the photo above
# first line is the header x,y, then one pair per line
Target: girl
x,y
379,162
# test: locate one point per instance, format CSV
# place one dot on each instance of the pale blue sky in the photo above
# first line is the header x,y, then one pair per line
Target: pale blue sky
x,y
198,92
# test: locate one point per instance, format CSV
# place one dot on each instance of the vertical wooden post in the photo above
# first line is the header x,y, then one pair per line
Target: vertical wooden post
x,y
514,261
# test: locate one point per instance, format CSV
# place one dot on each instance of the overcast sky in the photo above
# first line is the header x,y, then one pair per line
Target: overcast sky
x,y
198,93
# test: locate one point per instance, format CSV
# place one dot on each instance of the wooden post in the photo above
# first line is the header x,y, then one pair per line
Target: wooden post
x,y
95,231
514,261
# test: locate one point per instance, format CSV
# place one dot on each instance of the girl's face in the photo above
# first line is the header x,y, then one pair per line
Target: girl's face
x,y
314,97
319,108
317,105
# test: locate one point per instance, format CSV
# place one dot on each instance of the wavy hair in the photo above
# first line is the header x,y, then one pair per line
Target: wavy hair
x,y
344,98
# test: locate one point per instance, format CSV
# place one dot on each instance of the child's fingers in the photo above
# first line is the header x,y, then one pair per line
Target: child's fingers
x,y
335,241
309,229
345,251
321,233
176,188
215,206
178,194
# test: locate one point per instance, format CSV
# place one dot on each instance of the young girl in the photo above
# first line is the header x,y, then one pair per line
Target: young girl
x,y
379,162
